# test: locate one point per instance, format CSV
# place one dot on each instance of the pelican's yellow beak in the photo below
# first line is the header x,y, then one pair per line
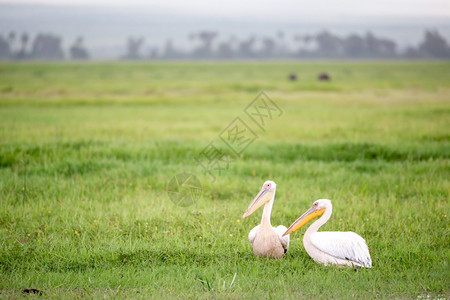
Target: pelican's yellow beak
x,y
259,200
305,218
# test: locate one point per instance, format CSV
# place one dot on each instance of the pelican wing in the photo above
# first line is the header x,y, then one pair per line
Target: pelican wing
x,y
344,245
284,239
252,234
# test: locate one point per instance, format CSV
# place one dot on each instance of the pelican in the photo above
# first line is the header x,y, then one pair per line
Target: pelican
x,y
265,239
331,247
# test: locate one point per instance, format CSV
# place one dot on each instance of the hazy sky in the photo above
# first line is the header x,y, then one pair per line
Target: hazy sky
x,y
106,24
282,9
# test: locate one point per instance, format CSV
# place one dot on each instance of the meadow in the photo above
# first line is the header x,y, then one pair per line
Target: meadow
x,y
87,151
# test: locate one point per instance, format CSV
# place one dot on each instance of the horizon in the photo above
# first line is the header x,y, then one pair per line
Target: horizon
x,y
105,28
288,8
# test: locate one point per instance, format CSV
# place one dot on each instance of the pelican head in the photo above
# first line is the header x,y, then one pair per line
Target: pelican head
x,y
316,210
266,194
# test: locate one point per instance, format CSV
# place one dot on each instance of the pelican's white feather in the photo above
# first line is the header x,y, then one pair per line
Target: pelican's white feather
x,y
284,239
344,245
252,234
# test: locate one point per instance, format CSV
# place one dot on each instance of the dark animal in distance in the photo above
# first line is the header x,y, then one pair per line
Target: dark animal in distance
x,y
292,77
324,77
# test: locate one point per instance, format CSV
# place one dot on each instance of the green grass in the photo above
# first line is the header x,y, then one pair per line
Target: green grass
x,y
86,152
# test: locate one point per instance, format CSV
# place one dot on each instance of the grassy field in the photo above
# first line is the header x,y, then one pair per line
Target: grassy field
x,y
87,151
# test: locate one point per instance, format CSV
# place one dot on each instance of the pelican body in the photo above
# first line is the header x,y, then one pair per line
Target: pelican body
x,y
265,239
331,247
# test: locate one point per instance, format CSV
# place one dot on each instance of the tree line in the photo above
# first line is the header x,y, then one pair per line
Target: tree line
x,y
208,45
43,47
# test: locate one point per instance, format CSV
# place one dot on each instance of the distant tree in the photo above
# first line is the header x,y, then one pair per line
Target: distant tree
x,y
434,45
328,45
5,50
412,53
268,47
169,50
246,47
206,39
233,40
354,46
387,48
24,38
372,45
11,40
153,53
280,44
47,46
133,48
224,50
305,44
377,47
22,52
77,50
307,38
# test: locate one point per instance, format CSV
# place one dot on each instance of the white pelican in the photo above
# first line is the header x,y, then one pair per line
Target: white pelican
x,y
265,239
331,247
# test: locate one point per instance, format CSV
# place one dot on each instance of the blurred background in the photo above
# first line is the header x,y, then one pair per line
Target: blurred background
x,y
201,29
104,103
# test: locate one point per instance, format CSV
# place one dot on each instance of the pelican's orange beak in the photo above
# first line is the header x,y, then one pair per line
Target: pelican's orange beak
x,y
305,218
